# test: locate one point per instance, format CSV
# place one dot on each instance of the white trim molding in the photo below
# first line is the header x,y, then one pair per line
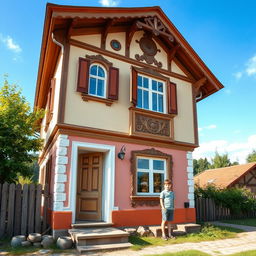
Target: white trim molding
x,y
108,189
60,177
190,180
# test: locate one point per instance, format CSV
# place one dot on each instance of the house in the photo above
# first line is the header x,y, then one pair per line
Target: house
x,y
119,86
243,175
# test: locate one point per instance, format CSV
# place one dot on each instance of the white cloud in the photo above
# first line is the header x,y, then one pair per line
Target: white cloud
x,y
209,127
109,3
238,75
10,44
236,151
251,66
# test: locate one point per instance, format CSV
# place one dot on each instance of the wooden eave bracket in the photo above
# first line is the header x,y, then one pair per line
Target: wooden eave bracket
x,y
105,32
198,84
129,35
156,26
173,52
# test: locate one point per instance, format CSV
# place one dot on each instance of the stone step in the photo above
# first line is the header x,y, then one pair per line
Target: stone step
x,y
94,248
189,227
96,236
88,224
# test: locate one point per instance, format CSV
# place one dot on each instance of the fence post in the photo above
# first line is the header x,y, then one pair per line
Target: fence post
x,y
11,201
38,209
17,212
24,216
3,209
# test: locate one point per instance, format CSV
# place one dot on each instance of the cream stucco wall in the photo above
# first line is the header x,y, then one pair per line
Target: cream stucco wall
x,y
119,37
135,49
57,76
116,117
176,69
94,40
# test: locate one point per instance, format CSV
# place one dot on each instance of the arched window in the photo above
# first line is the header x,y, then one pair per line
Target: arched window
x,y
97,80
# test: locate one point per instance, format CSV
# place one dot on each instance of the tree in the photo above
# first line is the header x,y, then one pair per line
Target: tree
x,y
219,161
18,134
251,157
200,165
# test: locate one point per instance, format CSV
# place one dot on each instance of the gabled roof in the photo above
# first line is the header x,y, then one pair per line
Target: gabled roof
x,y
223,177
76,19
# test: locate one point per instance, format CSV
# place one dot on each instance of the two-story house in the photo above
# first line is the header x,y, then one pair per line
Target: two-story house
x,y
119,86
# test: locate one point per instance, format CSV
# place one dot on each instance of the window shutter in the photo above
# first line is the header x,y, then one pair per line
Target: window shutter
x,y
172,98
83,75
53,82
134,86
113,85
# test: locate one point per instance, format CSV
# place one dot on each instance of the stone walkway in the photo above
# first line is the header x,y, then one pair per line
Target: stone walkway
x,y
243,242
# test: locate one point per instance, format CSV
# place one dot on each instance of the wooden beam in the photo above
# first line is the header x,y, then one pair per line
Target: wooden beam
x,y
173,51
129,35
105,32
198,84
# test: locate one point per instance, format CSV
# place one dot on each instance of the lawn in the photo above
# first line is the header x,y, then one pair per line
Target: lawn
x,y
208,233
198,253
246,222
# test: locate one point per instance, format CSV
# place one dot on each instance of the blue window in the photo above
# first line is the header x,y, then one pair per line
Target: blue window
x,y
97,81
151,94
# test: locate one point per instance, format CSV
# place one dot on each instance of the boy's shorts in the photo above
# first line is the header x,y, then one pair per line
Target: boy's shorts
x,y
167,214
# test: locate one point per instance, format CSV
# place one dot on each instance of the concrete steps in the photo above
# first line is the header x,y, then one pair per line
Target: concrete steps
x,y
91,237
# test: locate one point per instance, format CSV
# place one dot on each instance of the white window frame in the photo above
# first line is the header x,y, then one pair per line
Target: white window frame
x,y
98,78
151,175
151,91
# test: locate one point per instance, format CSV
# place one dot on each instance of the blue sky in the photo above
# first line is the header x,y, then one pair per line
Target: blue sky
x,y
221,32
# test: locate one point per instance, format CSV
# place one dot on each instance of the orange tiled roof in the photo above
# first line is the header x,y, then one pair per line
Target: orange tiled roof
x,y
223,177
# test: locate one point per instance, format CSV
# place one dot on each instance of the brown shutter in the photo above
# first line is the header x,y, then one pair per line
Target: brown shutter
x,y
134,86
172,98
83,75
113,84
53,82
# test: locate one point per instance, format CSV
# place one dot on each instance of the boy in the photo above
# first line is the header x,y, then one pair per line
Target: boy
x,y
167,205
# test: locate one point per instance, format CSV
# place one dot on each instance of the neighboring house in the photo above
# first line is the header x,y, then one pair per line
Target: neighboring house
x,y
243,175
120,87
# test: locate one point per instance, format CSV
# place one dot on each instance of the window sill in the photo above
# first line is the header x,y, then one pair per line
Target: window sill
x,y
144,200
87,97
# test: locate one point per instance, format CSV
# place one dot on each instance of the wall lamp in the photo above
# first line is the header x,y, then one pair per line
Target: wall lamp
x,y
121,154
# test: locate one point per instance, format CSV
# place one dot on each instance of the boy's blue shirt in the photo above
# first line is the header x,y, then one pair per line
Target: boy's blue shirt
x,y
168,197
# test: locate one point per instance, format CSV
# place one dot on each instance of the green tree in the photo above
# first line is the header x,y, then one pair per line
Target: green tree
x,y
200,165
219,161
251,157
19,139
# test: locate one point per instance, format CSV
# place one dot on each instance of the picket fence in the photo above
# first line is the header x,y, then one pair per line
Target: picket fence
x,y
23,209
208,210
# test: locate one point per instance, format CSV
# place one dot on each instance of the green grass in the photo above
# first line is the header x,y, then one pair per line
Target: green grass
x,y
198,253
207,233
246,222
5,246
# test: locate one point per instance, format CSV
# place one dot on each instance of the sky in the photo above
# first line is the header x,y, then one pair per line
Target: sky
x,y
222,32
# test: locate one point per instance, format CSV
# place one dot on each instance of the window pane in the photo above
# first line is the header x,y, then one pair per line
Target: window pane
x,y
145,82
92,86
145,100
139,100
101,72
93,70
154,85
140,81
100,88
158,164
160,87
158,181
154,101
143,163
143,182
160,103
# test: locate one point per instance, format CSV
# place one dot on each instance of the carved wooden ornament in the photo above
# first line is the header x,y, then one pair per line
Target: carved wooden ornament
x,y
149,48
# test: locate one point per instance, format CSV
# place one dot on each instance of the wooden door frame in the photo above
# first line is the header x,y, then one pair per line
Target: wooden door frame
x,y
108,191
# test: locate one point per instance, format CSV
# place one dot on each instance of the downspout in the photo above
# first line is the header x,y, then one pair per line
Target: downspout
x,y
199,97
58,43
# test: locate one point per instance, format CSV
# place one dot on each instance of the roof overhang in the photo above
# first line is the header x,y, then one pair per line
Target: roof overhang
x,y
75,20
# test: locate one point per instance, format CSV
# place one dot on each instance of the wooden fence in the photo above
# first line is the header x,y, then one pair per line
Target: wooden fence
x,y
21,209
208,210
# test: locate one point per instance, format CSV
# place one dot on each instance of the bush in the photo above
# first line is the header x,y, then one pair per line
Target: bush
x,y
237,200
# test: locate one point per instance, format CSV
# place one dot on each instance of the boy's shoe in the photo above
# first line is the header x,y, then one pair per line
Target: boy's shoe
x,y
172,237
164,238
